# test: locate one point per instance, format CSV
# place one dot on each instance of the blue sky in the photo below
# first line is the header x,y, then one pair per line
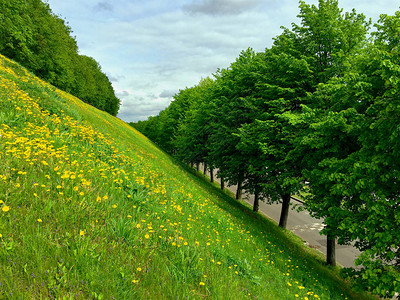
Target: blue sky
x,y
151,49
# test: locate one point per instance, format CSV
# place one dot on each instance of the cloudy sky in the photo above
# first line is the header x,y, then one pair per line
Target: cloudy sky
x,y
150,49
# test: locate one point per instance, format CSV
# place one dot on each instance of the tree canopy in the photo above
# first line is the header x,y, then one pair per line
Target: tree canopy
x,y
31,34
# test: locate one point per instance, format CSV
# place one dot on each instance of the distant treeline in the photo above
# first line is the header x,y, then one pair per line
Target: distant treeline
x,y
41,41
318,113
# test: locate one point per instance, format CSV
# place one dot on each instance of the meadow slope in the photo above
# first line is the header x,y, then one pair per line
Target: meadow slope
x,y
91,209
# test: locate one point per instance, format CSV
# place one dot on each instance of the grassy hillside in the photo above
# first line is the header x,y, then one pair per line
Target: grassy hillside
x,y
89,208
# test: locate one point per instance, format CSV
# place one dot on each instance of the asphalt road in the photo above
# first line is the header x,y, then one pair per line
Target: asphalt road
x,y
304,226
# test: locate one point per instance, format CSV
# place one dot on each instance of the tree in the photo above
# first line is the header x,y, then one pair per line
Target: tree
x,y
41,41
299,60
354,164
282,85
191,136
372,219
325,40
231,108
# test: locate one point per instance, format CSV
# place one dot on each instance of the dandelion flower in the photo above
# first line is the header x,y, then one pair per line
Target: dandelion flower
x,y
139,269
82,233
202,283
39,220
146,236
5,208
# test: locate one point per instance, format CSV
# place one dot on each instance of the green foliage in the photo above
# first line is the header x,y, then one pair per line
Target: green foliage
x,y
192,134
375,176
352,160
41,41
325,37
233,103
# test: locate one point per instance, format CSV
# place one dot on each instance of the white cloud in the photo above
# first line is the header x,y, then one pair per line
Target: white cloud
x,y
167,94
104,6
220,7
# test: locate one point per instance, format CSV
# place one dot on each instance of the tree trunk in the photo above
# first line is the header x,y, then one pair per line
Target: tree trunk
x,y
239,190
205,169
256,201
284,211
330,251
197,167
222,183
211,174
191,164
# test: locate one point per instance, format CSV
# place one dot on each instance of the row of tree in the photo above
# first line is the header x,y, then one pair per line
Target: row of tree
x,y
41,41
318,111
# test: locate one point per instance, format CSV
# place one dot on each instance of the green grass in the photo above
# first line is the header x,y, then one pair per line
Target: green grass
x,y
91,209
